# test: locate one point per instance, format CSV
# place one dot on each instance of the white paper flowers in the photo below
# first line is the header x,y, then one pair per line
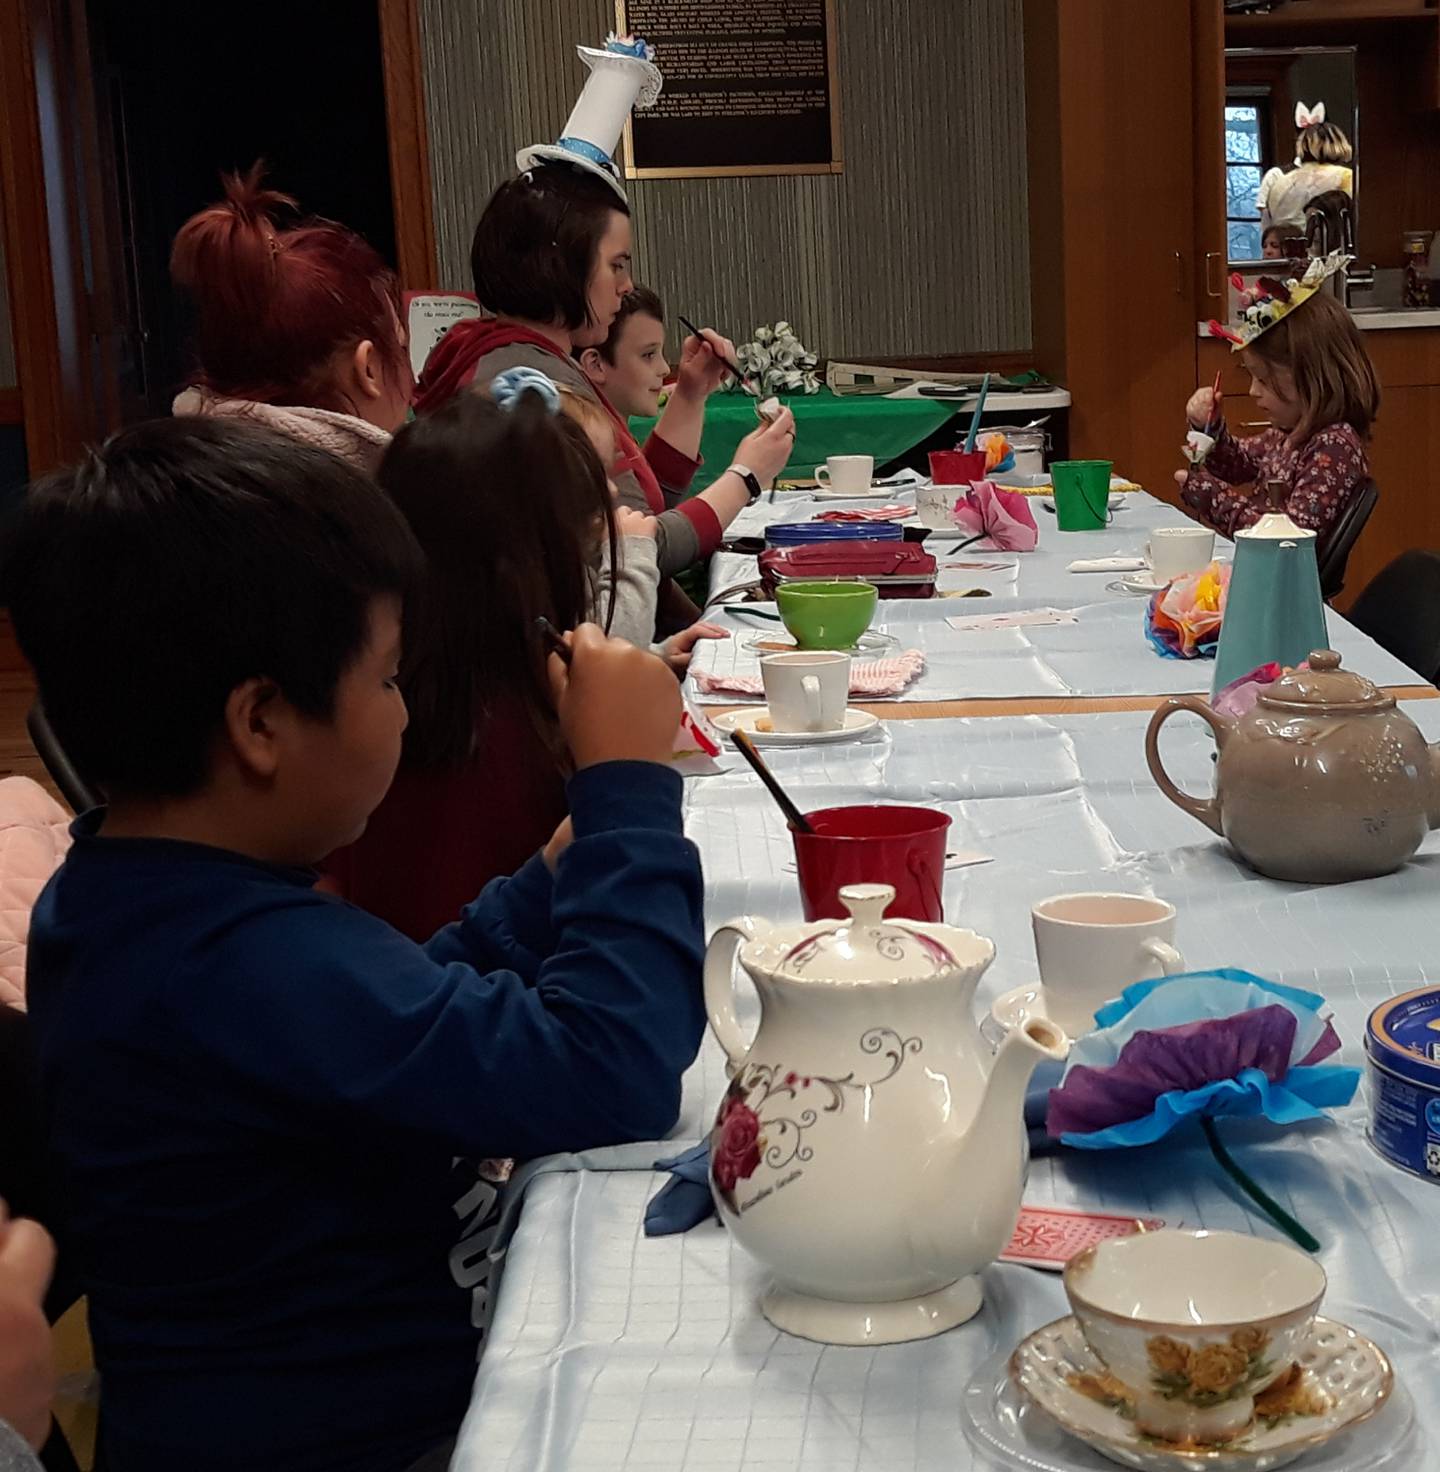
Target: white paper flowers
x,y
779,362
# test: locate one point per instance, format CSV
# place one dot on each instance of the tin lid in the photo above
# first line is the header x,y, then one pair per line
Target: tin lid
x,y
1403,1035
798,533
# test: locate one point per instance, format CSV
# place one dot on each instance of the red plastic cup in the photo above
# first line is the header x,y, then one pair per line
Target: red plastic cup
x,y
899,846
956,467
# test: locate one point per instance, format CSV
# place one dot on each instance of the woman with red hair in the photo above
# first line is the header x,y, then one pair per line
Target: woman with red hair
x,y
297,328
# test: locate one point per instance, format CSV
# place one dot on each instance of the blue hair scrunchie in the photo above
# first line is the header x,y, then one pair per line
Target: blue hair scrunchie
x,y
507,387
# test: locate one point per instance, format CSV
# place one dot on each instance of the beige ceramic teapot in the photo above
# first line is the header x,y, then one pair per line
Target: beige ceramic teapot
x,y
1325,780
870,1150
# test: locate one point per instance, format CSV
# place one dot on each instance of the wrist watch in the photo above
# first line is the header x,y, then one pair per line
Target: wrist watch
x,y
752,481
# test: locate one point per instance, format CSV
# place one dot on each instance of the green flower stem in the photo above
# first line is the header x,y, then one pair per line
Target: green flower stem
x,y
1266,1203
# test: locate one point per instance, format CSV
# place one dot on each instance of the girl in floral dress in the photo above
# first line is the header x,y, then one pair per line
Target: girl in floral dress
x,y
1311,378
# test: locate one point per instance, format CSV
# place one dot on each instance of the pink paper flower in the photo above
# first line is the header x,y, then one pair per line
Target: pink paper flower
x,y
1003,516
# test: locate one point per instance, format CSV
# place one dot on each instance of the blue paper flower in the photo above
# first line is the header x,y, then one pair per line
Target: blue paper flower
x,y
1198,1047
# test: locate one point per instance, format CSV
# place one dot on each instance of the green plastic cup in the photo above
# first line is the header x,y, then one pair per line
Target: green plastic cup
x,y
1082,494
826,615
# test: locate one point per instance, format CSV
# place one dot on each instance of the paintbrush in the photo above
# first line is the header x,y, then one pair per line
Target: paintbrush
x,y
746,747
694,331
553,642
975,417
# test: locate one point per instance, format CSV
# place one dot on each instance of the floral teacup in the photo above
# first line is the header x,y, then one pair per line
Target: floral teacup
x,y
1194,1324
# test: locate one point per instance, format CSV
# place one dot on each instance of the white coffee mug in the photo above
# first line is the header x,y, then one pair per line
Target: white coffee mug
x,y
1176,550
935,505
806,690
1092,946
851,474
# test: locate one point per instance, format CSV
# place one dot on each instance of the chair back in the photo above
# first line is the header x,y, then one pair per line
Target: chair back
x,y
1347,531
1400,610
73,787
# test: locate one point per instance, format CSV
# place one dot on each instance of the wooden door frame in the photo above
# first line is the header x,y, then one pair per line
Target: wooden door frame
x,y
27,247
408,132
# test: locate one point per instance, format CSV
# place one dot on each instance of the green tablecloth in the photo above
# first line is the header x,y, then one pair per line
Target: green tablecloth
x,y
824,425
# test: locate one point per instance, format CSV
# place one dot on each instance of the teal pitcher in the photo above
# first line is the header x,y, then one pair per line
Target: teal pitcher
x,y
1273,610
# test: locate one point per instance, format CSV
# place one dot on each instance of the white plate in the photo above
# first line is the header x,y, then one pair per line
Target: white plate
x,y
875,493
1352,1377
857,723
869,642
1117,500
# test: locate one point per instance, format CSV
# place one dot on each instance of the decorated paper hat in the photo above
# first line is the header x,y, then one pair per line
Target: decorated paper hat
x,y
1271,300
622,75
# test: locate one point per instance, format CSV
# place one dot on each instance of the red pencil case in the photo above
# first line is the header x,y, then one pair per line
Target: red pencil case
x,y
898,569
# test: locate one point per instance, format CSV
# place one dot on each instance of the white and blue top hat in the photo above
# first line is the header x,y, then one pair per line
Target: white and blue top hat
x,y
623,75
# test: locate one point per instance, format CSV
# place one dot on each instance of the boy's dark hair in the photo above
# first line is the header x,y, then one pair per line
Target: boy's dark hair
x,y
637,301
509,506
178,560
536,241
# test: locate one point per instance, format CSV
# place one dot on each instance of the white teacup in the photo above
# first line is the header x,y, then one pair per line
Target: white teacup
x,y
807,690
1196,1324
935,505
1176,550
849,473
1092,946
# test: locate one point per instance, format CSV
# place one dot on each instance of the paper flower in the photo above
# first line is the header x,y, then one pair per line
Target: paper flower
x,y
777,362
1183,620
1198,1047
998,454
1003,516
1239,696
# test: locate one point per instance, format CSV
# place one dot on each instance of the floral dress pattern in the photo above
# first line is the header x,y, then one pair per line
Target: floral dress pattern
x,y
1228,491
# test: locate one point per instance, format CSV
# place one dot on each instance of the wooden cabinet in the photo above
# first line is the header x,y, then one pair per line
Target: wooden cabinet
x,y
1119,230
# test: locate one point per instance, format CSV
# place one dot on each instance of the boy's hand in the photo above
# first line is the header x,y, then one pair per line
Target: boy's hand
x,y
560,840
27,1370
616,703
678,648
1202,408
632,523
701,371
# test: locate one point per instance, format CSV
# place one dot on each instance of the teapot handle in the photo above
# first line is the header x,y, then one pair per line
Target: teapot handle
x,y
720,984
1207,810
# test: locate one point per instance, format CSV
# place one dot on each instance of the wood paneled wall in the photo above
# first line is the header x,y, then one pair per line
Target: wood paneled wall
x,y
919,247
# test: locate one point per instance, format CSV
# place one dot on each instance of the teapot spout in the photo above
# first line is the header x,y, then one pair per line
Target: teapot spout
x,y
1003,1108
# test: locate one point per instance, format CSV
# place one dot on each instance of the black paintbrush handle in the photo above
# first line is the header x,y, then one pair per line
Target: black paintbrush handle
x,y
553,642
746,747
694,331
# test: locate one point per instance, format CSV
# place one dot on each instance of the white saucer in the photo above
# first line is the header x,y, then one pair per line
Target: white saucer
x,y
1017,1006
1351,1377
1141,582
1117,500
875,493
868,642
857,723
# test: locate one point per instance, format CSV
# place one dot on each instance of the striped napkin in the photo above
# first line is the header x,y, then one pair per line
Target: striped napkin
x,y
868,677
872,513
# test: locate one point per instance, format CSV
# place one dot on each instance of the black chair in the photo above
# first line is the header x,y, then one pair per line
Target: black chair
x,y
1400,610
73,787
1347,532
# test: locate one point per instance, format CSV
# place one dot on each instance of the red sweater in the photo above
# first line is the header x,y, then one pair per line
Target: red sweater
x,y
440,837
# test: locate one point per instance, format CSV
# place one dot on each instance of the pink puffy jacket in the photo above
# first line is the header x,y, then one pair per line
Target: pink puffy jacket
x,y
34,835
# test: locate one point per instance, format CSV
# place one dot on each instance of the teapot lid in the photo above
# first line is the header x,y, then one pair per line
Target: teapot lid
x,y
1276,525
1325,686
867,947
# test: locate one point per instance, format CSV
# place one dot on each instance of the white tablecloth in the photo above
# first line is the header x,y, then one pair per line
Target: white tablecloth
x,y
1105,652
611,1351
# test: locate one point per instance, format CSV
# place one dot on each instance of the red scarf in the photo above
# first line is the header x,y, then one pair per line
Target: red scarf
x,y
451,365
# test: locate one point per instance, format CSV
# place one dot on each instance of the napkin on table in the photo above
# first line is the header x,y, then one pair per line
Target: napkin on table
x,y
868,677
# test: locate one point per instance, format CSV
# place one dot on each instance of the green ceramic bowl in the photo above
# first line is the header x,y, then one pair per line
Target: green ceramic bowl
x,y
826,615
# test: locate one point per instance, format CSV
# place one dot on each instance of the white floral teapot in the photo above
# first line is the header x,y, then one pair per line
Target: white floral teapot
x,y
870,1149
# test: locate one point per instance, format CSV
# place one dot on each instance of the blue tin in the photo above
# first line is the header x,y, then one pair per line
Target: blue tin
x,y
1402,1048
798,533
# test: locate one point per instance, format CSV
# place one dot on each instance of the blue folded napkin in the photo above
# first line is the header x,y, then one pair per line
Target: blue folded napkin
x,y
684,1201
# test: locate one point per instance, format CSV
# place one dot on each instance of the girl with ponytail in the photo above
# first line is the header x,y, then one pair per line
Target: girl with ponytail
x,y
298,325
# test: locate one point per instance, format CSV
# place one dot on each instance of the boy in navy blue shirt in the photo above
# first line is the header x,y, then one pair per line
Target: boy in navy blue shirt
x,y
263,1104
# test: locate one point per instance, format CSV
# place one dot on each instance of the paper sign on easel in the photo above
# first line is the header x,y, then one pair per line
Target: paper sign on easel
x,y
430,315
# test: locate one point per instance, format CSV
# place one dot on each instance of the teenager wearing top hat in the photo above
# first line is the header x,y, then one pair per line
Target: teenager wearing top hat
x,y
551,262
